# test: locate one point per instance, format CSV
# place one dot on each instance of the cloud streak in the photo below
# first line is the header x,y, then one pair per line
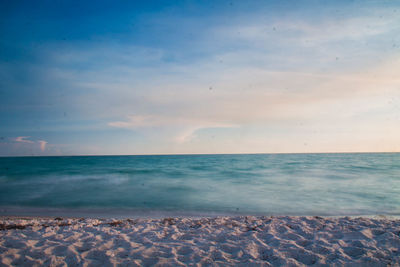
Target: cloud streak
x,y
184,127
42,144
23,143
23,139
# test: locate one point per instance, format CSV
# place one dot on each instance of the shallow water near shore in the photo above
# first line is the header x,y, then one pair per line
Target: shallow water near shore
x,y
268,184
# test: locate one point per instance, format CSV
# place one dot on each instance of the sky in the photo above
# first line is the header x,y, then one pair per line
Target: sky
x,y
177,77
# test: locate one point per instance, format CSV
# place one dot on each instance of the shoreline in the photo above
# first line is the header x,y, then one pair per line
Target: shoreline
x,y
208,241
125,213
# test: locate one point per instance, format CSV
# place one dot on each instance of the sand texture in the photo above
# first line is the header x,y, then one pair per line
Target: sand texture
x,y
221,241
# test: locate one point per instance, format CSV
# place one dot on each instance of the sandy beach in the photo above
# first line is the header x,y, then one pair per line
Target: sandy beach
x,y
219,241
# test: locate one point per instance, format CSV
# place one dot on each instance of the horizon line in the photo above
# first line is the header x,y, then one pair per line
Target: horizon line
x,y
194,154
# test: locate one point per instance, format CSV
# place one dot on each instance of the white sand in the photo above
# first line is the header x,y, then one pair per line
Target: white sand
x,y
223,241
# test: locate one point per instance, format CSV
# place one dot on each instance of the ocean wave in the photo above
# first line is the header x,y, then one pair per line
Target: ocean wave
x,y
302,184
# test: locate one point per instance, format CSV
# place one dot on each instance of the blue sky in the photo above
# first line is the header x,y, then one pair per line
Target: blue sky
x,y
160,77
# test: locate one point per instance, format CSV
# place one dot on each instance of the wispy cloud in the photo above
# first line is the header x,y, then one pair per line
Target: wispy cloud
x,y
184,127
42,144
326,30
249,97
23,142
23,139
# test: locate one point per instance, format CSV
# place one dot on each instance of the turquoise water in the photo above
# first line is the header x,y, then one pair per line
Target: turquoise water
x,y
269,184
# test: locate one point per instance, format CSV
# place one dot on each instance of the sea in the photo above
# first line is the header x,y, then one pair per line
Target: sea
x,y
348,184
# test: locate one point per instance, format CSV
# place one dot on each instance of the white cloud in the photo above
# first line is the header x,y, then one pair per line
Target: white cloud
x,y
29,144
139,121
185,126
23,139
261,30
